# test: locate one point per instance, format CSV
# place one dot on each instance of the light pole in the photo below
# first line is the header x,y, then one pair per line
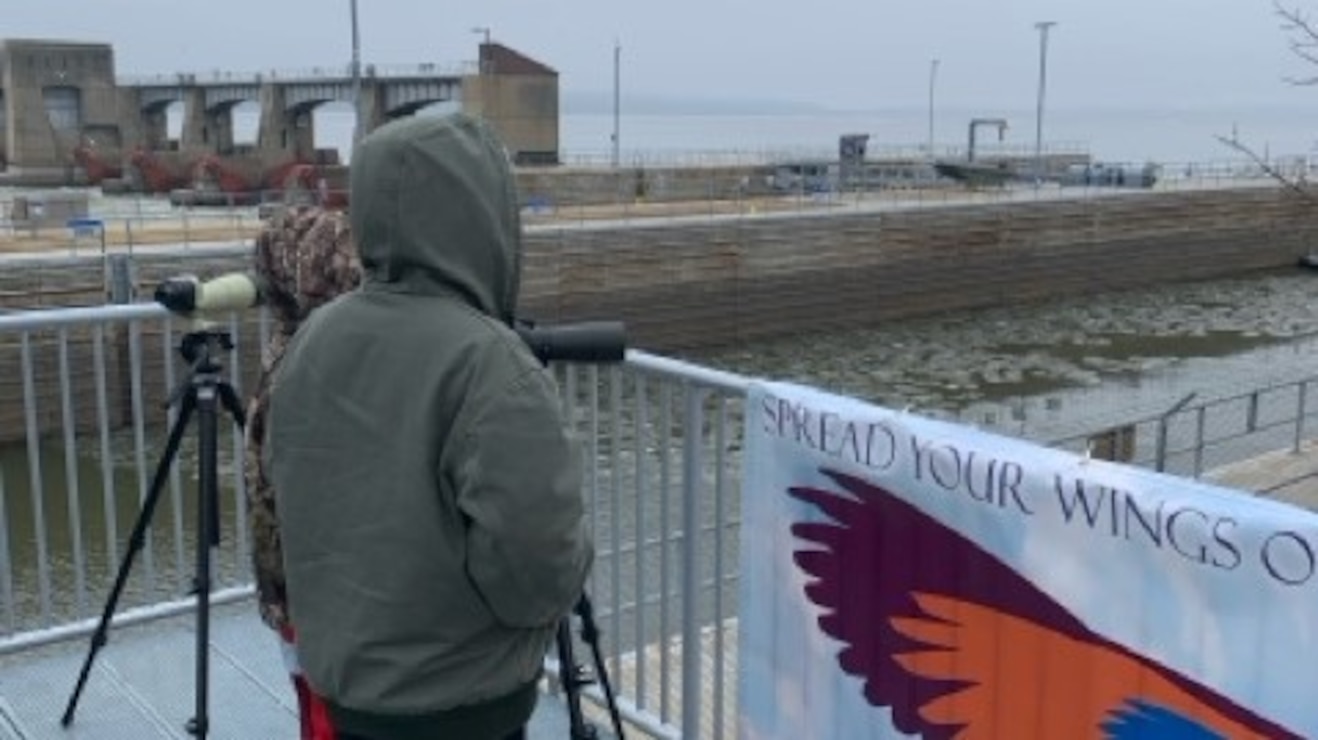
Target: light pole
x,y
356,77
480,55
933,76
483,64
1043,27
617,104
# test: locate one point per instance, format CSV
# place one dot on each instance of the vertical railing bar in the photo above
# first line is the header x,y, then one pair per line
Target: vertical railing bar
x,y
720,522
241,543
1301,402
263,330
570,396
615,527
175,480
6,563
641,419
107,455
139,445
692,476
1200,428
593,449
1160,455
71,488
37,488
665,533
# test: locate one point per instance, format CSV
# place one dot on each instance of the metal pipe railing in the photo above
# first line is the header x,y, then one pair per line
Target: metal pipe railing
x,y
662,446
1191,439
131,221
660,470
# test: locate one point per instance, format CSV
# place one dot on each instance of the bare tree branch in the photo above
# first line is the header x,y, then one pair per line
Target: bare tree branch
x,y
1304,37
1268,169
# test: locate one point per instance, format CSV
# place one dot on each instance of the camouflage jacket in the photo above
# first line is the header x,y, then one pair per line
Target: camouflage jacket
x,y
304,257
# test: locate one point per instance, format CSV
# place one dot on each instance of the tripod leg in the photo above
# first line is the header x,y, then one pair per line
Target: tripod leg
x,y
590,633
208,536
569,675
135,543
229,398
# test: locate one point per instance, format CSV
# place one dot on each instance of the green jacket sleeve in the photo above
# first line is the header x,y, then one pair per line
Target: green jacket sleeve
x,y
518,480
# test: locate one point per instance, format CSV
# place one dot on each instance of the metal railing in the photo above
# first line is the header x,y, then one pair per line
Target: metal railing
x,y
80,401
603,157
138,220
420,70
81,393
1195,436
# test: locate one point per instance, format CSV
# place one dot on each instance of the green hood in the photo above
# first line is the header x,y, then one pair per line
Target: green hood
x,y
434,211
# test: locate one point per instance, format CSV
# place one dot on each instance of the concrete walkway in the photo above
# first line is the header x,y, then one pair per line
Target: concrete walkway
x,y
1283,475
141,686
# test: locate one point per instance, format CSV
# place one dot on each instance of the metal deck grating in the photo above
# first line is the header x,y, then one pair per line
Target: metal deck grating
x,y
141,685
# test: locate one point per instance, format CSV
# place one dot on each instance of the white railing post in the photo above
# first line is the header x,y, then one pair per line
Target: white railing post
x,y
692,477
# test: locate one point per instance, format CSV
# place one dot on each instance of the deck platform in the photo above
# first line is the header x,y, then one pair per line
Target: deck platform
x,y
141,685
1284,475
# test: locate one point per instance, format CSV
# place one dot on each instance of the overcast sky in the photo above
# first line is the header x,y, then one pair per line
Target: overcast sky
x,y
843,54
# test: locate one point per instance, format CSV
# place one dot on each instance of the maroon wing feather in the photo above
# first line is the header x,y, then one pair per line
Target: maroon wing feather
x,y
918,554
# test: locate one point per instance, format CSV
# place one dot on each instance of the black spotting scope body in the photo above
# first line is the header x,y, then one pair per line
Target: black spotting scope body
x,y
587,341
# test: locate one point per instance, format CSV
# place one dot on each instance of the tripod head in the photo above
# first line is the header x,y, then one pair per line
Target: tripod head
x,y
199,348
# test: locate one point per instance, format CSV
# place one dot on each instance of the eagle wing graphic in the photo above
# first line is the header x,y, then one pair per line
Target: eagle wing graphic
x,y
960,645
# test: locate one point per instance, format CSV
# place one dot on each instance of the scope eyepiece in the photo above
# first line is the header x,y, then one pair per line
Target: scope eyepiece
x,y
178,294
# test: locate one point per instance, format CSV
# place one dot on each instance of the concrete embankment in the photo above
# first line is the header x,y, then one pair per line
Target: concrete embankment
x,y
700,282
731,280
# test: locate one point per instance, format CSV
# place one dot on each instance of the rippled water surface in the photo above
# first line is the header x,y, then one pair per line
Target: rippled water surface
x,y
1072,364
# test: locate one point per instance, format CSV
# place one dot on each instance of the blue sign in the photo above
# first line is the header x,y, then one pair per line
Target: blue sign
x,y
84,226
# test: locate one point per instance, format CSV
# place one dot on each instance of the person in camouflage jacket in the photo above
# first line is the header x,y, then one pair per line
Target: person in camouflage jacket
x,y
305,257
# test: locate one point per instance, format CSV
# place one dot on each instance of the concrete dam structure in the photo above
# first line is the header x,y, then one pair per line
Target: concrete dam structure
x,y
67,119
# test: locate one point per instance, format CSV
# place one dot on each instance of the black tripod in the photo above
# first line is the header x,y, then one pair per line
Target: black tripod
x,y
573,676
205,391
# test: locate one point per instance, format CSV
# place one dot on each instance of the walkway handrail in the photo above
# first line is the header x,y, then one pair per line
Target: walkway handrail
x,y
47,318
1194,436
662,445
662,478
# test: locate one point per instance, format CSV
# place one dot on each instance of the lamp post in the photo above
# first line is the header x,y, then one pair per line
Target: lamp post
x,y
617,105
1043,27
484,32
933,76
356,77
488,94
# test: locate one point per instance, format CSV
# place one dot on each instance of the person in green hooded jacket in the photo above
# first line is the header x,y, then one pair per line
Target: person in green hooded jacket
x,y
429,489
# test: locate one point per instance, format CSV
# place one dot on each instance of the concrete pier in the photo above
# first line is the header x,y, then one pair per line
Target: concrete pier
x,y
56,95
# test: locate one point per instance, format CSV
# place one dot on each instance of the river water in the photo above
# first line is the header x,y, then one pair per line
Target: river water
x,y
1043,372
1068,366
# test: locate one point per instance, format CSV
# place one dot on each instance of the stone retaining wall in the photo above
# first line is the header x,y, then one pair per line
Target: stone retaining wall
x,y
688,284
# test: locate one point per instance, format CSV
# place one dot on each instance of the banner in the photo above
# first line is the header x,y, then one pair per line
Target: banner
x,y
904,577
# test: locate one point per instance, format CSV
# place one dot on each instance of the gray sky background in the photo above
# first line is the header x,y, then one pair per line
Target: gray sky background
x,y
841,54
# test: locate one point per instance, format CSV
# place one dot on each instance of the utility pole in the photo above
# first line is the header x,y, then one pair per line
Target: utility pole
x,y
356,78
1043,27
484,65
480,55
933,76
617,104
